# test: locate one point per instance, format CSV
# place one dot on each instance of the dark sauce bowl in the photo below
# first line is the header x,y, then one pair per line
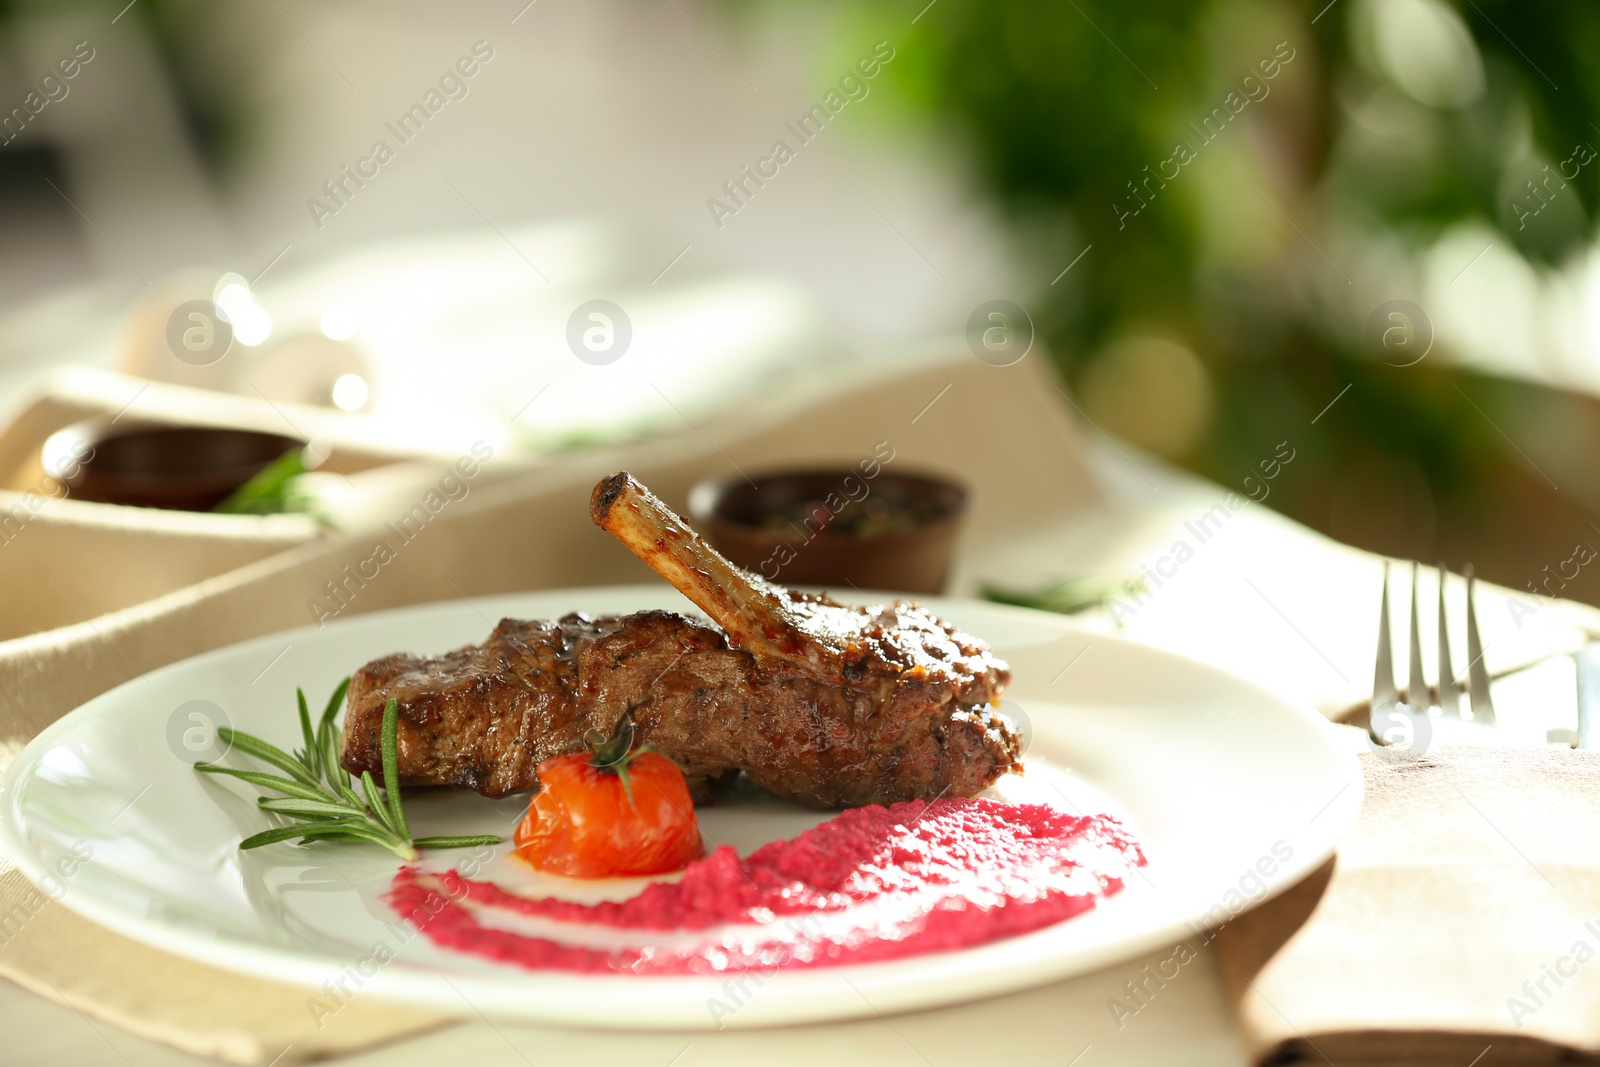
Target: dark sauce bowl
x,y
835,526
178,468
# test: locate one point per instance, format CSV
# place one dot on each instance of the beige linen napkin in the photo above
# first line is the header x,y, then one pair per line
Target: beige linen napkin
x,y
1001,430
1460,919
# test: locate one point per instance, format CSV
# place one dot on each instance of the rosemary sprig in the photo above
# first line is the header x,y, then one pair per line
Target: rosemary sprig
x,y
1070,596
317,793
271,490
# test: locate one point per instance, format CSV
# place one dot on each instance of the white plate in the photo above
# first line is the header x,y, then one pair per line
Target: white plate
x,y
1234,793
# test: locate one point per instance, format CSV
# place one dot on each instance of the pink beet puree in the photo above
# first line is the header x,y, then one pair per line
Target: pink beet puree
x,y
873,883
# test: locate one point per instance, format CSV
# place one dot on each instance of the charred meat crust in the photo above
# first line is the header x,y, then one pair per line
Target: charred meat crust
x,y
909,712
606,493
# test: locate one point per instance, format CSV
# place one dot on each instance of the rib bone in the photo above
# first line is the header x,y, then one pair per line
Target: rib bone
x,y
754,613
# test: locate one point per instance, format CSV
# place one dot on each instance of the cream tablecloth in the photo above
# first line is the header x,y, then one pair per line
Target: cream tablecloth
x,y
1260,595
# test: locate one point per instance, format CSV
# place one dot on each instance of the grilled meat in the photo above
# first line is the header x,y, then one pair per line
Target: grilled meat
x,y
824,704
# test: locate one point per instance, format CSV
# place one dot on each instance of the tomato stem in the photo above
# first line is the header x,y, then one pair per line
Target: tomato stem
x,y
613,753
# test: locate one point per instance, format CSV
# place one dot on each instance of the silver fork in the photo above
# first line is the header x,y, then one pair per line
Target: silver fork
x,y
1387,708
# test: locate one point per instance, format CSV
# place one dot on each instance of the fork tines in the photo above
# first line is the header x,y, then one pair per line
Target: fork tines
x,y
1420,698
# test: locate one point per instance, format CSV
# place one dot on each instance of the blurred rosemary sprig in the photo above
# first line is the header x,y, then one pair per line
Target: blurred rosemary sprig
x,y
1069,596
271,491
318,794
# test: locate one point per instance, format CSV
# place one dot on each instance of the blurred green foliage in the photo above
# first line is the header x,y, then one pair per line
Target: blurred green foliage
x,y
207,53
1265,255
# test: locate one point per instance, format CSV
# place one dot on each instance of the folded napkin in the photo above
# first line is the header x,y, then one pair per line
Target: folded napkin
x,y
1461,919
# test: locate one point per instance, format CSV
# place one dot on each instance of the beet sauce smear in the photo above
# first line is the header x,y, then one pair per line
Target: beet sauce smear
x,y
873,883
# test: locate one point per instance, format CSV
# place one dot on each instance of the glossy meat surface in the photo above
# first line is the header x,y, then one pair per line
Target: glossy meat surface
x,y
904,712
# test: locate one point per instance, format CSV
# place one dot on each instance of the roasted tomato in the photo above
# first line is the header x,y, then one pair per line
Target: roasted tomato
x,y
614,810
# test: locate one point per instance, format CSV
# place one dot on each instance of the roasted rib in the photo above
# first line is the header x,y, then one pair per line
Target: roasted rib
x,y
824,704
